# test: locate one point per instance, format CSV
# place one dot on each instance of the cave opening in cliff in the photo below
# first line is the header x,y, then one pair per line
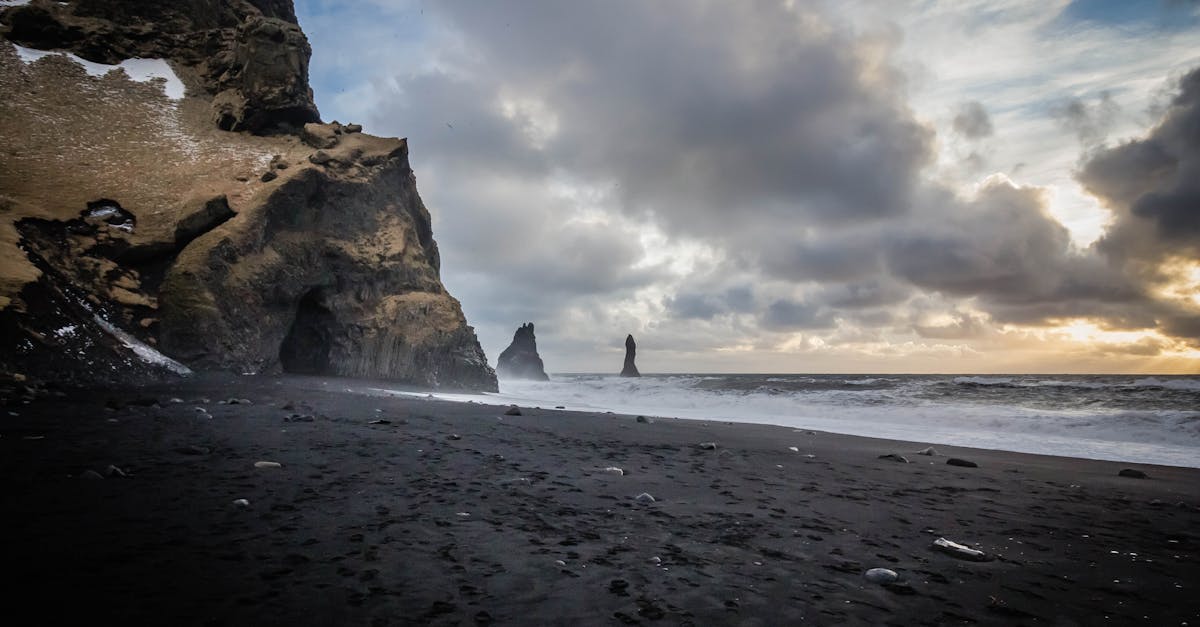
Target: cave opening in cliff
x,y
305,349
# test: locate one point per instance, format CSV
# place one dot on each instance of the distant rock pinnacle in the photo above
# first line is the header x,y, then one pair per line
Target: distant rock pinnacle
x,y
630,369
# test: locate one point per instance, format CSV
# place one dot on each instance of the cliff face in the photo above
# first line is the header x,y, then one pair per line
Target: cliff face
x,y
225,228
249,56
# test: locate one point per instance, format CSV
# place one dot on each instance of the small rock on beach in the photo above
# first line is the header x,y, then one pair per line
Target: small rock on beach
x,y
960,551
881,575
1132,474
954,461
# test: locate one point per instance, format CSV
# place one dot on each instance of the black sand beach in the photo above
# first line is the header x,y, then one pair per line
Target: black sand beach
x,y
394,511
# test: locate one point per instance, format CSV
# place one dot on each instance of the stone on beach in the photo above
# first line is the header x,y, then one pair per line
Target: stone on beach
x,y
881,575
954,461
644,497
960,551
644,420
1132,474
513,411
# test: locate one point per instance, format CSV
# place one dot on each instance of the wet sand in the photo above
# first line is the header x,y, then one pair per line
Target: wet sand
x,y
395,511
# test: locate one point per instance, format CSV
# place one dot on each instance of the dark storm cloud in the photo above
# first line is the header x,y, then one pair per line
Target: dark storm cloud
x,y
875,292
829,255
1152,186
1001,243
706,113
705,305
972,121
1004,251
792,315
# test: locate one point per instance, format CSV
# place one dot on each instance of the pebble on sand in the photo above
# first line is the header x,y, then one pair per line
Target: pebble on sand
x,y
268,465
1132,474
894,457
881,575
708,446
954,461
513,411
644,497
958,550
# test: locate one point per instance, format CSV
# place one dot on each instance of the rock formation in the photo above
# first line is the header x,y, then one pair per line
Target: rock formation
x,y
134,220
630,369
520,360
249,56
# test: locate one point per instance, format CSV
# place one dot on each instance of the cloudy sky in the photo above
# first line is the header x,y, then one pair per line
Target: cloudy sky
x,y
793,186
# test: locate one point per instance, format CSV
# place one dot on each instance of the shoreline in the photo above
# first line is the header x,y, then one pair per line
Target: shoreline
x,y
868,426
454,513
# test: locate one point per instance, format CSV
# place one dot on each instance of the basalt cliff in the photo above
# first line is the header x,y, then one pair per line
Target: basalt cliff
x,y
224,227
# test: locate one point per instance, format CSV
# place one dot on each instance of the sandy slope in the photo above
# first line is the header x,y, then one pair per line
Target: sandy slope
x,y
456,514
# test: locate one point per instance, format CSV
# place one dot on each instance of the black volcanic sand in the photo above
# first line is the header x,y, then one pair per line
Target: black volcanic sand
x,y
452,513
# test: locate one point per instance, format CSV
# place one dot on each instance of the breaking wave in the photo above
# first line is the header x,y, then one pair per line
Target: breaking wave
x,y
1147,420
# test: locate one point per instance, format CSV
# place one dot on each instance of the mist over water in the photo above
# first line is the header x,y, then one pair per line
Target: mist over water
x,y
1123,418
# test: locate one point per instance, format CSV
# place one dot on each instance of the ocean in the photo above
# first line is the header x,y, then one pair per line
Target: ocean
x,y
1145,419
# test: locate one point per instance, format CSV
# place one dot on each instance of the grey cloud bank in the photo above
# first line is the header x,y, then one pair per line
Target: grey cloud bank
x,y
727,174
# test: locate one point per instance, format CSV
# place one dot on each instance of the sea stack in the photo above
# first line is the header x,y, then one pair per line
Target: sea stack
x,y
630,369
520,360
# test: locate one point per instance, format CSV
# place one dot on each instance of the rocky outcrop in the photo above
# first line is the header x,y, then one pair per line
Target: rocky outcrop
x,y
630,369
521,360
136,229
248,56
333,271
